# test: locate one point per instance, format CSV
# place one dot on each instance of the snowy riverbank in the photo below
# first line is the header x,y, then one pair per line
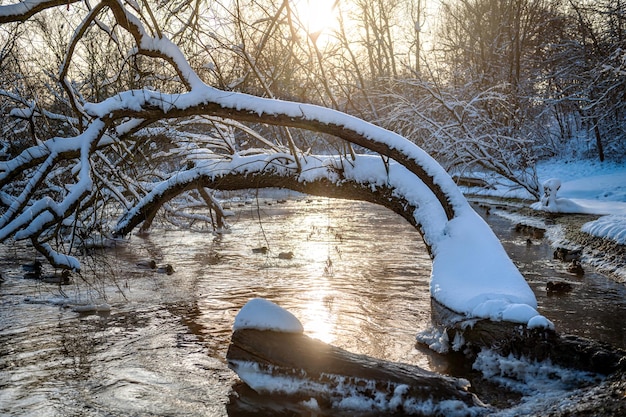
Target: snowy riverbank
x,y
590,214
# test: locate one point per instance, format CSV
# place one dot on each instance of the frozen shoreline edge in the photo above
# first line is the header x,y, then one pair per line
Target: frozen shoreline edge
x,y
564,229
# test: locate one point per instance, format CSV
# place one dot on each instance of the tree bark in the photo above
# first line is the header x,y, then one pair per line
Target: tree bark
x,y
326,370
508,338
596,131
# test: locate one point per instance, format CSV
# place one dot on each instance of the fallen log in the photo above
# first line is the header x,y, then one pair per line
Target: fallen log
x,y
307,369
506,338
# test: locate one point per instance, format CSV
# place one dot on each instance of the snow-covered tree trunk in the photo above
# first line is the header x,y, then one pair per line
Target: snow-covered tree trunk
x,y
550,188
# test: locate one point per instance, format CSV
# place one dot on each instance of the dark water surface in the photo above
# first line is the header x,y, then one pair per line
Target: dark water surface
x,y
595,307
358,279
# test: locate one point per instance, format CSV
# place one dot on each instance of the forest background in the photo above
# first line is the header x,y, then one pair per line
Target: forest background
x,y
484,86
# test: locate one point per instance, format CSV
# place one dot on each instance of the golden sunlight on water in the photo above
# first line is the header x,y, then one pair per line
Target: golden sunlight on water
x,y
318,249
318,320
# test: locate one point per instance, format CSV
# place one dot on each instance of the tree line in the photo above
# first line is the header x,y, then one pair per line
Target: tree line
x,y
490,84
486,85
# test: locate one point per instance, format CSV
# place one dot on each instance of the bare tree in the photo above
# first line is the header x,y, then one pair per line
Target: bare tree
x,y
62,186
599,43
455,128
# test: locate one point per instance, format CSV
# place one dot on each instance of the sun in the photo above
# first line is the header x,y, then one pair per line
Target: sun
x,y
316,16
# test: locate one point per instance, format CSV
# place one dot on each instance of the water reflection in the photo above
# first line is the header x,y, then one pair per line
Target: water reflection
x,y
317,317
358,279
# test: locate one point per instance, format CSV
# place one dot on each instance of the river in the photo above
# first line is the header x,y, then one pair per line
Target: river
x,y
358,279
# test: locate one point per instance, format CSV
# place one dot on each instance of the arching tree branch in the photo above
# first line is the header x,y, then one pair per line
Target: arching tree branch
x,y
22,11
149,105
269,178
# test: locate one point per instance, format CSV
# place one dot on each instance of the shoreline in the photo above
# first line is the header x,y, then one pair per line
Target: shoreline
x,y
605,255
564,230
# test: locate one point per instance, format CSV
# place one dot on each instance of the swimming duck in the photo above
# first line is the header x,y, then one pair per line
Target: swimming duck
x,y
62,278
35,266
567,255
165,269
576,268
558,287
33,270
262,249
147,264
285,255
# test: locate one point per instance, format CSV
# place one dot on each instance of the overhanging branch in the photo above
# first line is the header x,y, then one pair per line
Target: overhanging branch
x,y
346,189
304,120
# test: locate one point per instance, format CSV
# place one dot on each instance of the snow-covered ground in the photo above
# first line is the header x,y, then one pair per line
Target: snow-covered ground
x,y
591,187
588,187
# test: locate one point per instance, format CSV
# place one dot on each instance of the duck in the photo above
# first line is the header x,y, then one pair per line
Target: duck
x,y
147,264
558,287
62,278
165,269
33,270
285,255
262,249
576,268
32,275
34,266
567,255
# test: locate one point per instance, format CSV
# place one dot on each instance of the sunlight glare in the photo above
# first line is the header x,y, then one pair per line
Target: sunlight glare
x,y
316,16
317,320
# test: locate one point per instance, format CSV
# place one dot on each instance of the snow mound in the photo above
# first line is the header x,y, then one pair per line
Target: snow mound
x,y
472,275
611,227
261,314
561,205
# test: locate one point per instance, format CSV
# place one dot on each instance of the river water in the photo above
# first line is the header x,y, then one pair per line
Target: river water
x,y
358,279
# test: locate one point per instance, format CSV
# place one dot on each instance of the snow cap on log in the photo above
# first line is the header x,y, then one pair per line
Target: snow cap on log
x,y
261,314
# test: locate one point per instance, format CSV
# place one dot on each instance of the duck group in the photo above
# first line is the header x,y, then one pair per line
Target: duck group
x,y
61,278
34,270
153,266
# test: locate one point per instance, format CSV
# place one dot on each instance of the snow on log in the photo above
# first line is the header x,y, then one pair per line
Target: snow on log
x,y
271,355
261,314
